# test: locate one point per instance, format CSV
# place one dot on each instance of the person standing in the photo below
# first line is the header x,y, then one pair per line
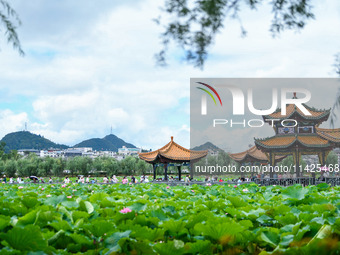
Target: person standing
x,y
133,179
4,180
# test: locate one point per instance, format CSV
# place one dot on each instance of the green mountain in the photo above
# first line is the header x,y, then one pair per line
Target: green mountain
x,y
27,140
207,146
108,143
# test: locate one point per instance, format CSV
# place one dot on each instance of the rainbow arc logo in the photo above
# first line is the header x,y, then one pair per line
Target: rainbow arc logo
x,y
204,98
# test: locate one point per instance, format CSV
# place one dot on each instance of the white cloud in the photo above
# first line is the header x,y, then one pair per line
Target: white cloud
x,y
89,67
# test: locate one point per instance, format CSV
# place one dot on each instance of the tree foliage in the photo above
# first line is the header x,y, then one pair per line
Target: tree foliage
x,y
9,21
194,25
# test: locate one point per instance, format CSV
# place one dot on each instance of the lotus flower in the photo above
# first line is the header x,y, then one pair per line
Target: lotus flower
x,y
125,210
235,186
245,190
69,196
192,191
42,189
167,187
48,195
64,185
20,187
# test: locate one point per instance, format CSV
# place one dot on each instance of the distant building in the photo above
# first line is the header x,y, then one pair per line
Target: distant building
x,y
72,152
128,151
25,152
52,153
83,149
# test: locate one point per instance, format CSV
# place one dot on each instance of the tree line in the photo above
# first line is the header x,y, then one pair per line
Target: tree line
x,y
12,164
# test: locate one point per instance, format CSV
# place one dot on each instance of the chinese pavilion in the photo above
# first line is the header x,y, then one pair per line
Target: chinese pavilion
x,y
253,156
299,136
172,153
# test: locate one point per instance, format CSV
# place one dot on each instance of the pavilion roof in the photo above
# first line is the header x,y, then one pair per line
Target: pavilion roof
x,y
286,141
172,152
291,109
252,154
332,135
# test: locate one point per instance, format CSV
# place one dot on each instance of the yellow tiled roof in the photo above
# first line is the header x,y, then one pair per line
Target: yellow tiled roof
x,y
310,140
173,151
291,108
332,135
252,152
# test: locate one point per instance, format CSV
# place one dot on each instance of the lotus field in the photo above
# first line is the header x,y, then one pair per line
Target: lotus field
x,y
160,219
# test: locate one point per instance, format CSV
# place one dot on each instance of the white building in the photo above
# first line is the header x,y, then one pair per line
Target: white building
x,y
128,151
50,153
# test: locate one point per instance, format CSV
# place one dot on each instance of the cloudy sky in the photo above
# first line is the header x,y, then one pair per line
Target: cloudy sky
x,y
89,65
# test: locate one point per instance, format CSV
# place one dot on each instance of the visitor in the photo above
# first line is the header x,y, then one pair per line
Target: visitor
x,y
142,179
105,180
18,179
239,180
11,180
42,180
114,179
50,180
220,180
125,180
4,180
187,179
88,179
146,180
133,179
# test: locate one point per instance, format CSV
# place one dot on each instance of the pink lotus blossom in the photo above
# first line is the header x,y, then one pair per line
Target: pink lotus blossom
x,y
125,210
69,196
192,190
226,213
208,184
228,185
48,195
235,186
64,185
42,189
74,190
245,190
20,187
167,187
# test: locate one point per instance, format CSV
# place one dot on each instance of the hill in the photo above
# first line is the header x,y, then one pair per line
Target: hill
x,y
108,143
27,140
207,146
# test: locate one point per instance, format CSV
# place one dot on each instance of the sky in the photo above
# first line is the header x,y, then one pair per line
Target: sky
x,y
89,66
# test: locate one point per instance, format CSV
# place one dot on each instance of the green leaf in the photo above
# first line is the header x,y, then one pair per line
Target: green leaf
x,y
217,231
296,192
30,202
70,204
25,239
86,206
81,239
100,227
4,221
137,207
237,201
270,237
199,247
55,237
170,248
286,240
113,240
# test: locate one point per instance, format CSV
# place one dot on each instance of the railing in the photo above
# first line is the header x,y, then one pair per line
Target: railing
x,y
305,181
